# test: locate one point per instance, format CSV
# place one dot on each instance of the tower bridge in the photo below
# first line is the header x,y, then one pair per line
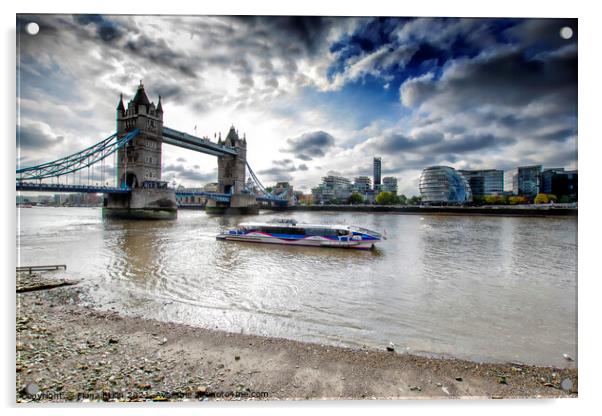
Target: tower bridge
x,y
137,145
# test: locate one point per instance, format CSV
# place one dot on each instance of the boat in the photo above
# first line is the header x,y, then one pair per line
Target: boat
x,y
290,232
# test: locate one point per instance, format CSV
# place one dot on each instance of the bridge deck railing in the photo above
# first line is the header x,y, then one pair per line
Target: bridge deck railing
x,y
49,187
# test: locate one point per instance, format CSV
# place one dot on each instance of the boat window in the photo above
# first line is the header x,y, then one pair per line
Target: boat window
x,y
283,230
321,231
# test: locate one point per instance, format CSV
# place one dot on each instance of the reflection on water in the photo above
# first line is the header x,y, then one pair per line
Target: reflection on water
x,y
491,288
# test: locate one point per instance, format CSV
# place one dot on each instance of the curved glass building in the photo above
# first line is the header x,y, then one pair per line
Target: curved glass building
x,y
444,185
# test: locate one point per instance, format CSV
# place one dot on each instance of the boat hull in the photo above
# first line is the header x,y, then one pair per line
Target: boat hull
x,y
313,241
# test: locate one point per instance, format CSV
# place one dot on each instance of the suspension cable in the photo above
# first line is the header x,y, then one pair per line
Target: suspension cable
x,y
77,161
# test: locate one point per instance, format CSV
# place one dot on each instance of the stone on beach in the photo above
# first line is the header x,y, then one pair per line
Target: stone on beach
x,y
67,349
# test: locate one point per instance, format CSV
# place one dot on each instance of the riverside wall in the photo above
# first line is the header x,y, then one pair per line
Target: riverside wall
x,y
519,210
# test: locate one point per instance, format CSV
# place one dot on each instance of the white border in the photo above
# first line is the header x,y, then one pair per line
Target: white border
x,y
590,374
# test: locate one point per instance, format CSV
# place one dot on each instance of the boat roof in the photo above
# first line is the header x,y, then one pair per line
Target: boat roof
x,y
294,224
291,225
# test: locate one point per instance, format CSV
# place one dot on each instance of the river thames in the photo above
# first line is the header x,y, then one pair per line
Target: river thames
x,y
485,288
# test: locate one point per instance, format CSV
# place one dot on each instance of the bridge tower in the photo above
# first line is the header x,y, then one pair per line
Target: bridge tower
x,y
139,162
231,170
231,178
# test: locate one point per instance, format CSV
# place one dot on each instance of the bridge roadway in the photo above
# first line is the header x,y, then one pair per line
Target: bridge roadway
x,y
97,189
58,187
226,197
211,195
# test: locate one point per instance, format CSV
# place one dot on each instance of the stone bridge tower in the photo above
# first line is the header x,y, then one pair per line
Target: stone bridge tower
x,y
231,170
139,162
231,179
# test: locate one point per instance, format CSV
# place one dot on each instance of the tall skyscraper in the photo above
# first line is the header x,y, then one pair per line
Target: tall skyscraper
x,y
377,172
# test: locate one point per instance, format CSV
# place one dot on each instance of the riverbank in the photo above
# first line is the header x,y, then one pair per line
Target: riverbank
x,y
73,353
506,210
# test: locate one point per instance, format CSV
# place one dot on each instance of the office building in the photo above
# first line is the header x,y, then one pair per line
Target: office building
x,y
377,172
545,183
444,185
526,180
332,189
485,182
362,184
389,184
564,185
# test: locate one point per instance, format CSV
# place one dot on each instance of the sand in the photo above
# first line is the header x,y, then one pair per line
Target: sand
x,y
67,352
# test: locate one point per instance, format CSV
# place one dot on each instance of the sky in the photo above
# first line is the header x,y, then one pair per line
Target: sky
x,y
313,95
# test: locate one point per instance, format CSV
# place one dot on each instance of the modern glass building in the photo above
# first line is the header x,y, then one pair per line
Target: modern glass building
x,y
485,182
332,188
444,185
377,172
545,183
390,184
564,184
526,180
362,184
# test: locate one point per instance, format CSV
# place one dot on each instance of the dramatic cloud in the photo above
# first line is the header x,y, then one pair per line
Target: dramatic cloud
x,y
36,136
506,78
542,34
275,174
179,172
105,29
310,145
282,170
470,93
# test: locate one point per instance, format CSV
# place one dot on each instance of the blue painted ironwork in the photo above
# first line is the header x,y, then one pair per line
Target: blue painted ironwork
x,y
270,198
198,144
57,187
211,195
76,161
182,205
99,151
267,196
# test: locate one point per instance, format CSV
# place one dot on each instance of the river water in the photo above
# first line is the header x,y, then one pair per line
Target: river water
x,y
483,288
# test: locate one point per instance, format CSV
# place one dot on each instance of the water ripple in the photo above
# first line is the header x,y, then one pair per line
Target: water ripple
x,y
486,287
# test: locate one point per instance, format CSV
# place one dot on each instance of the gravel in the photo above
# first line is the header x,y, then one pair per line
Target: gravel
x,y
67,352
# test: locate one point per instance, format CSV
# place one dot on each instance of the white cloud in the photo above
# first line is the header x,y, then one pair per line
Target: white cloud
x,y
254,73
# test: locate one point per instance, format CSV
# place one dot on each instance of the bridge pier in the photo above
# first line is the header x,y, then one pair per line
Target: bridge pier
x,y
143,204
240,204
